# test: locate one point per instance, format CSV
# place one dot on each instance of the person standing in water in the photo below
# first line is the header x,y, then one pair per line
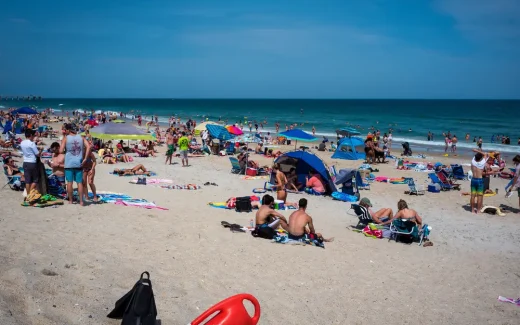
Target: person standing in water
x,y
313,131
454,141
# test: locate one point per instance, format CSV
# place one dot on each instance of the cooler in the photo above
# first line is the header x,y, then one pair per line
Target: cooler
x,y
251,171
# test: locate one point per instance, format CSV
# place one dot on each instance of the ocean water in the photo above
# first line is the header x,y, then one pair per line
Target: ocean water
x,y
410,119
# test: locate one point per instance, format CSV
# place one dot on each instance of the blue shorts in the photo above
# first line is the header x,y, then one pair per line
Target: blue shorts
x,y
477,186
74,175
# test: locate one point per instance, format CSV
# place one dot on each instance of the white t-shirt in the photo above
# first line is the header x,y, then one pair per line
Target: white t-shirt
x,y
479,164
29,151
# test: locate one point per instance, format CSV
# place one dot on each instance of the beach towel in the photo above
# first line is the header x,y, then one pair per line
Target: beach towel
x,y
283,238
154,181
344,197
182,187
510,300
115,174
219,205
251,178
145,205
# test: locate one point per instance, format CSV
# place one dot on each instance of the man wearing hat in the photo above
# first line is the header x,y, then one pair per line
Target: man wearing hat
x,y
383,216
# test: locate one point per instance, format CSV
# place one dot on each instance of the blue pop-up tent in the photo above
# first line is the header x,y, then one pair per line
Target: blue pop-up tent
x,y
219,132
350,149
25,110
304,162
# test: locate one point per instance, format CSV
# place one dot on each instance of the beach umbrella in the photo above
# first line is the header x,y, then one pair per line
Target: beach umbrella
x,y
219,132
92,122
119,131
234,130
118,121
25,110
297,134
202,126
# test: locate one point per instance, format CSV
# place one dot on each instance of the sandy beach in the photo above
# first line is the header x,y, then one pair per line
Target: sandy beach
x,y
98,252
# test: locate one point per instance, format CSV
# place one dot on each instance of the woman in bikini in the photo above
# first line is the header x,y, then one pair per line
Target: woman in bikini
x,y
405,213
137,170
281,182
89,172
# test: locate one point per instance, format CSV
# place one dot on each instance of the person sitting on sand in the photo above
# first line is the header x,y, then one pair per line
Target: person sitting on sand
x,y
268,220
143,153
301,226
259,149
403,212
292,181
120,154
57,163
137,170
383,216
314,184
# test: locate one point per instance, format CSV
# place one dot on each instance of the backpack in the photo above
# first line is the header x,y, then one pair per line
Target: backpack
x,y
243,204
137,306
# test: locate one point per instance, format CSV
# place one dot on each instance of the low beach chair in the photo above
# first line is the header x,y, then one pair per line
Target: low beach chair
x,y
362,213
435,180
235,166
403,228
12,179
457,172
443,177
415,189
360,183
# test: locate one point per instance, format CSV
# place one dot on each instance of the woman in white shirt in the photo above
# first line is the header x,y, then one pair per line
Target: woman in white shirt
x,y
30,155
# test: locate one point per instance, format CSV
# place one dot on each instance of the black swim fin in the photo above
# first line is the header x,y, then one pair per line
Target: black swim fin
x,y
137,307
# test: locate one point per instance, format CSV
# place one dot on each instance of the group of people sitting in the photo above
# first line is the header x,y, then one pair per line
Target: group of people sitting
x,y
314,183
385,216
299,226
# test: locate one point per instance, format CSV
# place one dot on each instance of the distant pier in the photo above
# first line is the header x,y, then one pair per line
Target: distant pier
x,y
20,98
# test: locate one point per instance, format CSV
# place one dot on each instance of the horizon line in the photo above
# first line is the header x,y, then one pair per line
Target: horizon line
x,y
5,98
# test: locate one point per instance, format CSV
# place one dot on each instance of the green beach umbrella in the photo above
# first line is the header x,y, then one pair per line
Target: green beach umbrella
x,y
119,131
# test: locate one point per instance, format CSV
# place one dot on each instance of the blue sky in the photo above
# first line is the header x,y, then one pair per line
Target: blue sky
x,y
261,49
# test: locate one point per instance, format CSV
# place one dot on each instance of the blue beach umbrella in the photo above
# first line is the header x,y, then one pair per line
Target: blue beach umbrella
x,y
219,132
298,134
25,110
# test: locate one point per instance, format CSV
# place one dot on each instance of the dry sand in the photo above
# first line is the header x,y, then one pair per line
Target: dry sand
x,y
99,251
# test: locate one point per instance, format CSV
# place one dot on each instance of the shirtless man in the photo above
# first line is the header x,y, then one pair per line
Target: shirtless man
x,y
403,212
281,182
57,163
268,219
171,147
454,141
477,183
137,170
301,226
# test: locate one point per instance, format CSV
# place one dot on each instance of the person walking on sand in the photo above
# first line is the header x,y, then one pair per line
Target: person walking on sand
x,y
478,163
170,145
184,145
76,150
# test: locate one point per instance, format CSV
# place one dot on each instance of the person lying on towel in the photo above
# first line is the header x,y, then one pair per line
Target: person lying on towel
x,y
268,220
137,170
301,226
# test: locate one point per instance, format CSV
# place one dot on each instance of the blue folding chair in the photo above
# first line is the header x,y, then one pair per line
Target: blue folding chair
x,y
435,180
360,183
235,166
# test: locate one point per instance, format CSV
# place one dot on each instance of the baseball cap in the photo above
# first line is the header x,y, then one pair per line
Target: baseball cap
x,y
366,201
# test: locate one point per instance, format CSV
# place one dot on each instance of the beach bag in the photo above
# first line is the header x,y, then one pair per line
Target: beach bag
x,y
137,306
243,204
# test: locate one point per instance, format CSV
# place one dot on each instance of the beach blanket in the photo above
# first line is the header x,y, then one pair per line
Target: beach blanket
x,y
283,238
219,205
145,205
154,181
251,178
115,174
182,187
384,179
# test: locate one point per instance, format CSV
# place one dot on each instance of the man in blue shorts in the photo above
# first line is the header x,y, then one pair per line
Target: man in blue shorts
x,y
477,182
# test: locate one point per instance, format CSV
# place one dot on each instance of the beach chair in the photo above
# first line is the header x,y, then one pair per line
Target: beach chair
x,y
361,185
457,172
415,189
435,180
235,166
12,181
362,213
443,177
408,230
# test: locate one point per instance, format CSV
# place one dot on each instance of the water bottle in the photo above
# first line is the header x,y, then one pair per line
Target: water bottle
x,y
252,223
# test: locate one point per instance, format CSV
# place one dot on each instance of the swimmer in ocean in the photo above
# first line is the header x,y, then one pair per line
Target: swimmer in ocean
x,y
410,130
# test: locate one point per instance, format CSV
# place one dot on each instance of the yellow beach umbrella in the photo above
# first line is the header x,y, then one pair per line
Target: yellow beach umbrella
x,y
202,126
